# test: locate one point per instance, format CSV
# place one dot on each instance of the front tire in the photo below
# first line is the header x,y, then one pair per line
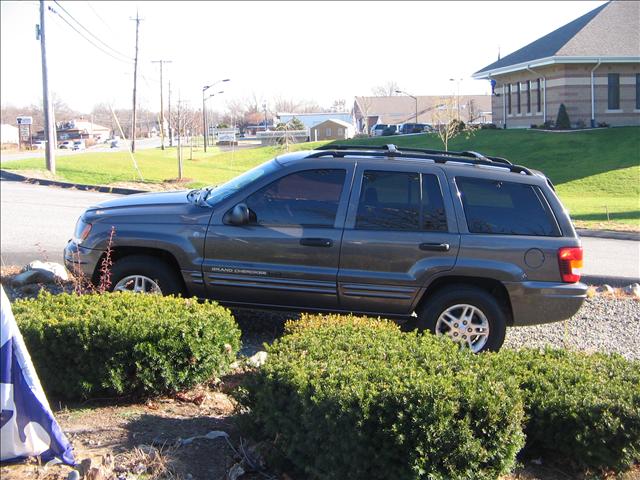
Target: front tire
x,y
467,315
145,274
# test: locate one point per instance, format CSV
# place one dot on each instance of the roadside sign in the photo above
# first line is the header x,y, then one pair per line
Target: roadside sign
x,y
226,137
25,132
24,120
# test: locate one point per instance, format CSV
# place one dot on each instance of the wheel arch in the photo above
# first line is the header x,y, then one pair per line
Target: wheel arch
x,y
118,253
491,286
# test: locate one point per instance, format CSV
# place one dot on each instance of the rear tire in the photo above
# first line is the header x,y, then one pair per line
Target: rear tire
x,y
145,274
466,314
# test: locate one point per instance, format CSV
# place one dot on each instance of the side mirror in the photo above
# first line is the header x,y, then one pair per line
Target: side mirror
x,y
238,215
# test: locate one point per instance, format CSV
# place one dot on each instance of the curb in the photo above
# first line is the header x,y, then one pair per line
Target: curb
x,y
14,177
10,176
611,234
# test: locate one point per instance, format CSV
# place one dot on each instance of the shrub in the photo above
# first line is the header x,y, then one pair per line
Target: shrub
x,y
585,408
562,121
125,344
358,399
488,126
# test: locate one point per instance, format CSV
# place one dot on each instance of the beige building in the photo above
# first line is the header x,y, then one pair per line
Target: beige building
x,y
332,129
592,65
398,109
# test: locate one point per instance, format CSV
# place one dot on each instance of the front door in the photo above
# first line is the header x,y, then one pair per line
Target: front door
x,y
399,232
288,253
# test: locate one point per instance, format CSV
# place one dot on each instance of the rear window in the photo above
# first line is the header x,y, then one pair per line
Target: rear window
x,y
506,208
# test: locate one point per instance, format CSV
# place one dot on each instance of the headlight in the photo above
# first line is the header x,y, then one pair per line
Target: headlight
x,y
82,231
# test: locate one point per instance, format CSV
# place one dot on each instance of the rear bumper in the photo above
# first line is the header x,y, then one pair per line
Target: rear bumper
x,y
533,303
79,259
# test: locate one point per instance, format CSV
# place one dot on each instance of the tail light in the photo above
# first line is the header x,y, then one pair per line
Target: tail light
x,y
570,260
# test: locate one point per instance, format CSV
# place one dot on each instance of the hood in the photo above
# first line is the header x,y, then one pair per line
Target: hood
x,y
145,200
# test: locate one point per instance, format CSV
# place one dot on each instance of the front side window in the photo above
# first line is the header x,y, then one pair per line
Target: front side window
x,y
309,198
613,91
506,208
400,201
538,95
509,99
528,96
518,106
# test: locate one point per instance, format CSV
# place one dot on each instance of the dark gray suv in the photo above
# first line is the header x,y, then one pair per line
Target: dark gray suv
x,y
454,242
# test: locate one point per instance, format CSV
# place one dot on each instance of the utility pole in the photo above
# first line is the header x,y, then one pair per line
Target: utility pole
x,y
135,82
170,131
49,123
161,62
179,140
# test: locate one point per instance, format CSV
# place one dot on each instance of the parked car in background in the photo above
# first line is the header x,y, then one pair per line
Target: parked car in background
x,y
67,144
377,129
79,145
456,243
39,145
413,128
115,142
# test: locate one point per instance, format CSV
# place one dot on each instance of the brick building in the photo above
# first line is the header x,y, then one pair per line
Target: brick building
x,y
592,65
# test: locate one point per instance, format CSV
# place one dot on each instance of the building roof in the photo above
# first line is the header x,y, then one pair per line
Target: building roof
x,y
342,123
609,32
398,109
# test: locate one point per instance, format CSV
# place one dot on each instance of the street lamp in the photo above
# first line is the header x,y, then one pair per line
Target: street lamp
x,y
457,80
415,98
264,106
204,115
212,95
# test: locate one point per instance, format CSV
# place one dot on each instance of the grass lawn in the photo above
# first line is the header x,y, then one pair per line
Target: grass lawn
x,y
594,170
156,165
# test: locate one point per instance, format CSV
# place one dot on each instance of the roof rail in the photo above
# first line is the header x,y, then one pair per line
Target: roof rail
x,y
434,155
394,148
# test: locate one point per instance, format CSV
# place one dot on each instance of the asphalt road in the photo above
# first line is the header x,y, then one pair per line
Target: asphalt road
x,y
37,221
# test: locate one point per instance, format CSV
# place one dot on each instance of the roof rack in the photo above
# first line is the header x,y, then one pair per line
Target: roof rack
x,y
394,148
438,156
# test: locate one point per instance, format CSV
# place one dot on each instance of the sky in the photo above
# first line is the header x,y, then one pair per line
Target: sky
x,y
320,51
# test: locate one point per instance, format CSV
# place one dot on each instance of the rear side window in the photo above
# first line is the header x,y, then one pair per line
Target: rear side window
x,y
506,208
400,201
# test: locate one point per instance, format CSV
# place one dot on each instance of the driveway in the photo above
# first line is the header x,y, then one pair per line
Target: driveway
x,y
37,221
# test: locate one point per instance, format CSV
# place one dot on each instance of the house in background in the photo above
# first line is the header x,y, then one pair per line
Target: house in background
x,y
9,134
311,119
396,109
332,129
592,65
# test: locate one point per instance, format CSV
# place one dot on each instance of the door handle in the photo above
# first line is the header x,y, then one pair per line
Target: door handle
x,y
316,242
435,247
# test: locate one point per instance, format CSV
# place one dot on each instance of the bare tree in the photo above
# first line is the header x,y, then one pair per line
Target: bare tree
x,y
387,89
364,105
446,122
339,105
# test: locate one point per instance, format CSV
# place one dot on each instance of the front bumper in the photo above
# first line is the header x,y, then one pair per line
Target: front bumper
x,y
81,260
533,303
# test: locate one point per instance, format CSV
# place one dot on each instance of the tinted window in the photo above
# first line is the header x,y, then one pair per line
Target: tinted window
x,y
433,215
505,208
613,91
308,198
395,201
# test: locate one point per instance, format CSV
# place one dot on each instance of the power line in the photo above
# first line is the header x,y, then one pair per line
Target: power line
x,y
130,61
99,16
89,32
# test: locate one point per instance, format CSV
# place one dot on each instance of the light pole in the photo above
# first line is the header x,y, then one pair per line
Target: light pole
x,y
204,114
264,106
457,80
415,98
212,95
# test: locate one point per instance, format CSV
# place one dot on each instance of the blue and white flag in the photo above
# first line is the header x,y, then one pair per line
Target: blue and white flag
x,y
27,425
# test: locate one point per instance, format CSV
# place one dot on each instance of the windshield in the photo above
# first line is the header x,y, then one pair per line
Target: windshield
x,y
221,192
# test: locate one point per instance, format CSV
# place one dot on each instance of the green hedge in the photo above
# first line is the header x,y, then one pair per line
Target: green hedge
x,y
358,399
87,346
348,397
581,407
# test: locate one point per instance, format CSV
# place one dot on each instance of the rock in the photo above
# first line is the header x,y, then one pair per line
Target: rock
x,y
73,475
56,270
40,272
85,466
633,290
258,359
605,289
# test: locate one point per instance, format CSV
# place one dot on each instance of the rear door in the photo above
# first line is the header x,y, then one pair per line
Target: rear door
x,y
399,232
288,254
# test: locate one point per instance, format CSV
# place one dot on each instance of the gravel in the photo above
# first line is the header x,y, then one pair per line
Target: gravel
x,y
604,323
